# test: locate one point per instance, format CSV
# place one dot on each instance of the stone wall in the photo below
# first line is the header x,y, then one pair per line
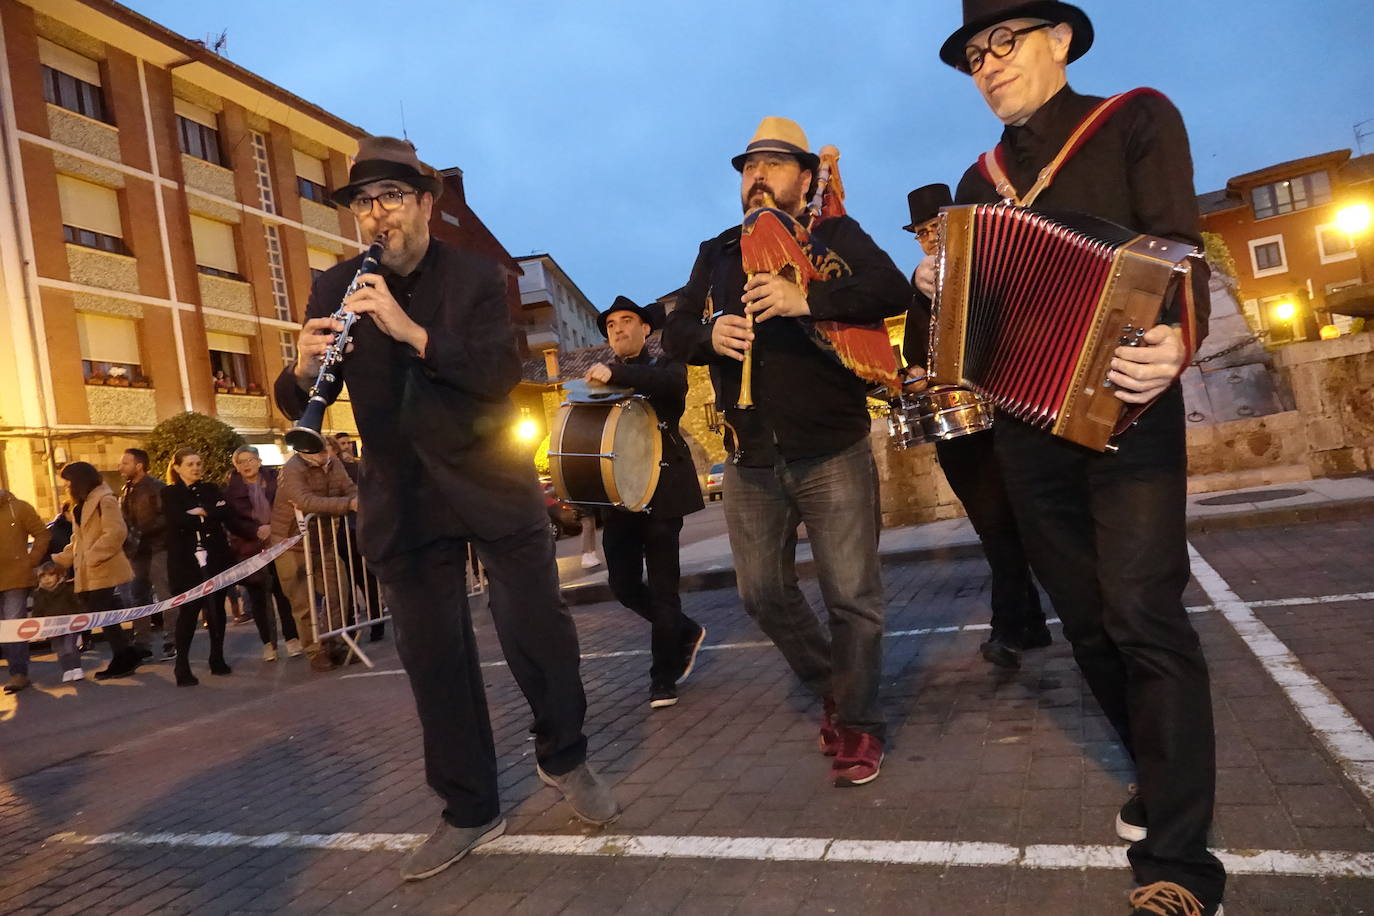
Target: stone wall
x,y
1333,387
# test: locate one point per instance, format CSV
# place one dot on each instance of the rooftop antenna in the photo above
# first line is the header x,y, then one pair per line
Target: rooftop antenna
x,y
404,136
1362,130
217,44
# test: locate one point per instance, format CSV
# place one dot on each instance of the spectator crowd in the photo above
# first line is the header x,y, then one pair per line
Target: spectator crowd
x,y
156,540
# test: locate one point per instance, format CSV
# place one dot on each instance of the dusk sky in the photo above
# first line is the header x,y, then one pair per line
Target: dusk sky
x,y
601,132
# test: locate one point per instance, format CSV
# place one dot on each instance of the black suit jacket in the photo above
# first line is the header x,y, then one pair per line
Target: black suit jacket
x,y
442,459
664,383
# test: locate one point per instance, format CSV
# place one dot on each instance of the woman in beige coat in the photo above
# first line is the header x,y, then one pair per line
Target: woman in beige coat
x,y
96,552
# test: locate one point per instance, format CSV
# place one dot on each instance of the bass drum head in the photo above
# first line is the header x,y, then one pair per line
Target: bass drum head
x,y
632,436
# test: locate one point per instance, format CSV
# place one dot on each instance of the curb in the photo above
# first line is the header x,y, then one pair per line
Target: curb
x,y
707,580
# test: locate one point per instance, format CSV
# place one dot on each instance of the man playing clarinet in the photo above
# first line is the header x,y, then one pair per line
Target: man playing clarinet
x,y
801,453
1106,531
430,371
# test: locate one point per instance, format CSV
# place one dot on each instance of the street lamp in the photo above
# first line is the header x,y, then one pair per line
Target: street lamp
x,y
1285,310
1354,220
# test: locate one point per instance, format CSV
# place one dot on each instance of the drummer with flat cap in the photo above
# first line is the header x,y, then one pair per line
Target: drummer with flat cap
x,y
970,466
637,544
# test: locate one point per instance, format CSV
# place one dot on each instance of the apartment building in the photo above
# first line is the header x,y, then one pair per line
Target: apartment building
x,y
1280,225
163,213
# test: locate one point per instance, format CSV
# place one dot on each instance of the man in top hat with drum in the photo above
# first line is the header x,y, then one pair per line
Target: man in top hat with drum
x,y
640,544
430,370
970,467
801,454
1105,531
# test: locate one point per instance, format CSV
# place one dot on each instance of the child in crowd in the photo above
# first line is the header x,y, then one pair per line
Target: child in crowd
x,y
54,598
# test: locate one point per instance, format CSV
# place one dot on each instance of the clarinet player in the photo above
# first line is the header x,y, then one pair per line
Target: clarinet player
x,y
430,369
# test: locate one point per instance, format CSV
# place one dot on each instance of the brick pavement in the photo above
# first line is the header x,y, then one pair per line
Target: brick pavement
x,y
976,756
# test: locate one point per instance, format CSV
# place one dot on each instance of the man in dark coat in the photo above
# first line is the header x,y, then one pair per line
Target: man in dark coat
x,y
970,467
1106,531
801,454
640,543
146,549
430,372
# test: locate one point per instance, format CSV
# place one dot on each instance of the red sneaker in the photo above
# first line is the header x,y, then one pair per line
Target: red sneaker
x,y
830,732
859,759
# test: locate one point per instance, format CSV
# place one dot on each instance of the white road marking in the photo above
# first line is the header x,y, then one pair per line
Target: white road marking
x,y
1330,721
1303,863
922,631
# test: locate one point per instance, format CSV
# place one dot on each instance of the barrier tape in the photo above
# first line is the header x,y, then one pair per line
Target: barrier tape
x,y
29,629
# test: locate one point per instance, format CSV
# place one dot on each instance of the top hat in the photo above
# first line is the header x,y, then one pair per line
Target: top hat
x,y
779,135
925,203
647,314
982,14
383,158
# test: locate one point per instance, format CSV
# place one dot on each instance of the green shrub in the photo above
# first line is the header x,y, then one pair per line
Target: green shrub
x,y
213,439
541,458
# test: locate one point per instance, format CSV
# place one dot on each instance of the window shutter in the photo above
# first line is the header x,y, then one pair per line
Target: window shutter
x,y
309,168
214,243
193,112
68,62
89,206
228,343
105,339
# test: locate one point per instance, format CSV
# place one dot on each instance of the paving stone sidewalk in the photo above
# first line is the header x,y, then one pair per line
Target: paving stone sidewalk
x,y
976,755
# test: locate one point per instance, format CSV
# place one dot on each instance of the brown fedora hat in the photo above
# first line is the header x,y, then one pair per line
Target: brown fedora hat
x,y
779,135
387,158
925,203
982,14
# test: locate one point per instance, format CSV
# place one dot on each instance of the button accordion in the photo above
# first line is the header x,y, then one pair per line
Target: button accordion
x,y
1030,306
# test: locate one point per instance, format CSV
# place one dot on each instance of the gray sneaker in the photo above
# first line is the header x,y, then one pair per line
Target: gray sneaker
x,y
446,845
589,797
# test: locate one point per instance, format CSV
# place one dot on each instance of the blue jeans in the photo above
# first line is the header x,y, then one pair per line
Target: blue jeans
x,y
14,606
836,496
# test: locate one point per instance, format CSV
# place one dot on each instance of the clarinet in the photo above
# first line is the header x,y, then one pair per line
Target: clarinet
x,y
305,436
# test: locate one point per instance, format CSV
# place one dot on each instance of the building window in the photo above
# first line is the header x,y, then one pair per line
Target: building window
x,y
320,261
109,350
71,81
310,180
1268,257
231,363
90,215
198,132
286,340
1310,190
1333,244
216,253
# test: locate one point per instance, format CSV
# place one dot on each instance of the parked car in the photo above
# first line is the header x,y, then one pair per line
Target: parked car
x,y
563,518
715,482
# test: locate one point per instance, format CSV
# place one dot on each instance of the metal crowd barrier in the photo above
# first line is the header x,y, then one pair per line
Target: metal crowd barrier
x,y
347,595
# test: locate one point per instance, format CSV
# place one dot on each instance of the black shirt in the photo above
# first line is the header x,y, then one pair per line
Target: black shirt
x,y
1136,171
807,404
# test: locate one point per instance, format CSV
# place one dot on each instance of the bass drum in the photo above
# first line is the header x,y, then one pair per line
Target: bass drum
x,y
606,453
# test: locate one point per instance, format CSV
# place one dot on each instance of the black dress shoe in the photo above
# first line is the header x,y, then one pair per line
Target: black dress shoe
x,y
123,664
187,679
999,653
1036,636
218,666
144,653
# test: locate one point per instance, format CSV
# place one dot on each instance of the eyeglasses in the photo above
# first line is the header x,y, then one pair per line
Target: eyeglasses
x,y
390,200
926,232
1001,43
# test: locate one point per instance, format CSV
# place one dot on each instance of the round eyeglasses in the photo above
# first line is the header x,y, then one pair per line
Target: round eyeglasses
x,y
390,200
1001,43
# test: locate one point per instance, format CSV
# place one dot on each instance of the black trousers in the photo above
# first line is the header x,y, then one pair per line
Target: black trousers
x,y
262,587
640,542
1107,537
970,465
188,619
105,599
426,591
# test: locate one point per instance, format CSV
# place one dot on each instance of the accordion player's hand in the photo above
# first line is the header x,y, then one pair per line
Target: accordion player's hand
x,y
924,278
1142,372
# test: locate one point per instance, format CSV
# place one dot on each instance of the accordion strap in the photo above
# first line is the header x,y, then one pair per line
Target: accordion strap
x,y
993,163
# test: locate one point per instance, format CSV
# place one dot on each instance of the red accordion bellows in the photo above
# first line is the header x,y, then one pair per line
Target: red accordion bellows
x,y
1030,307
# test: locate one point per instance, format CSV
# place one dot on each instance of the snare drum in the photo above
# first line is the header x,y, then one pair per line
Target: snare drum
x,y
606,453
940,412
